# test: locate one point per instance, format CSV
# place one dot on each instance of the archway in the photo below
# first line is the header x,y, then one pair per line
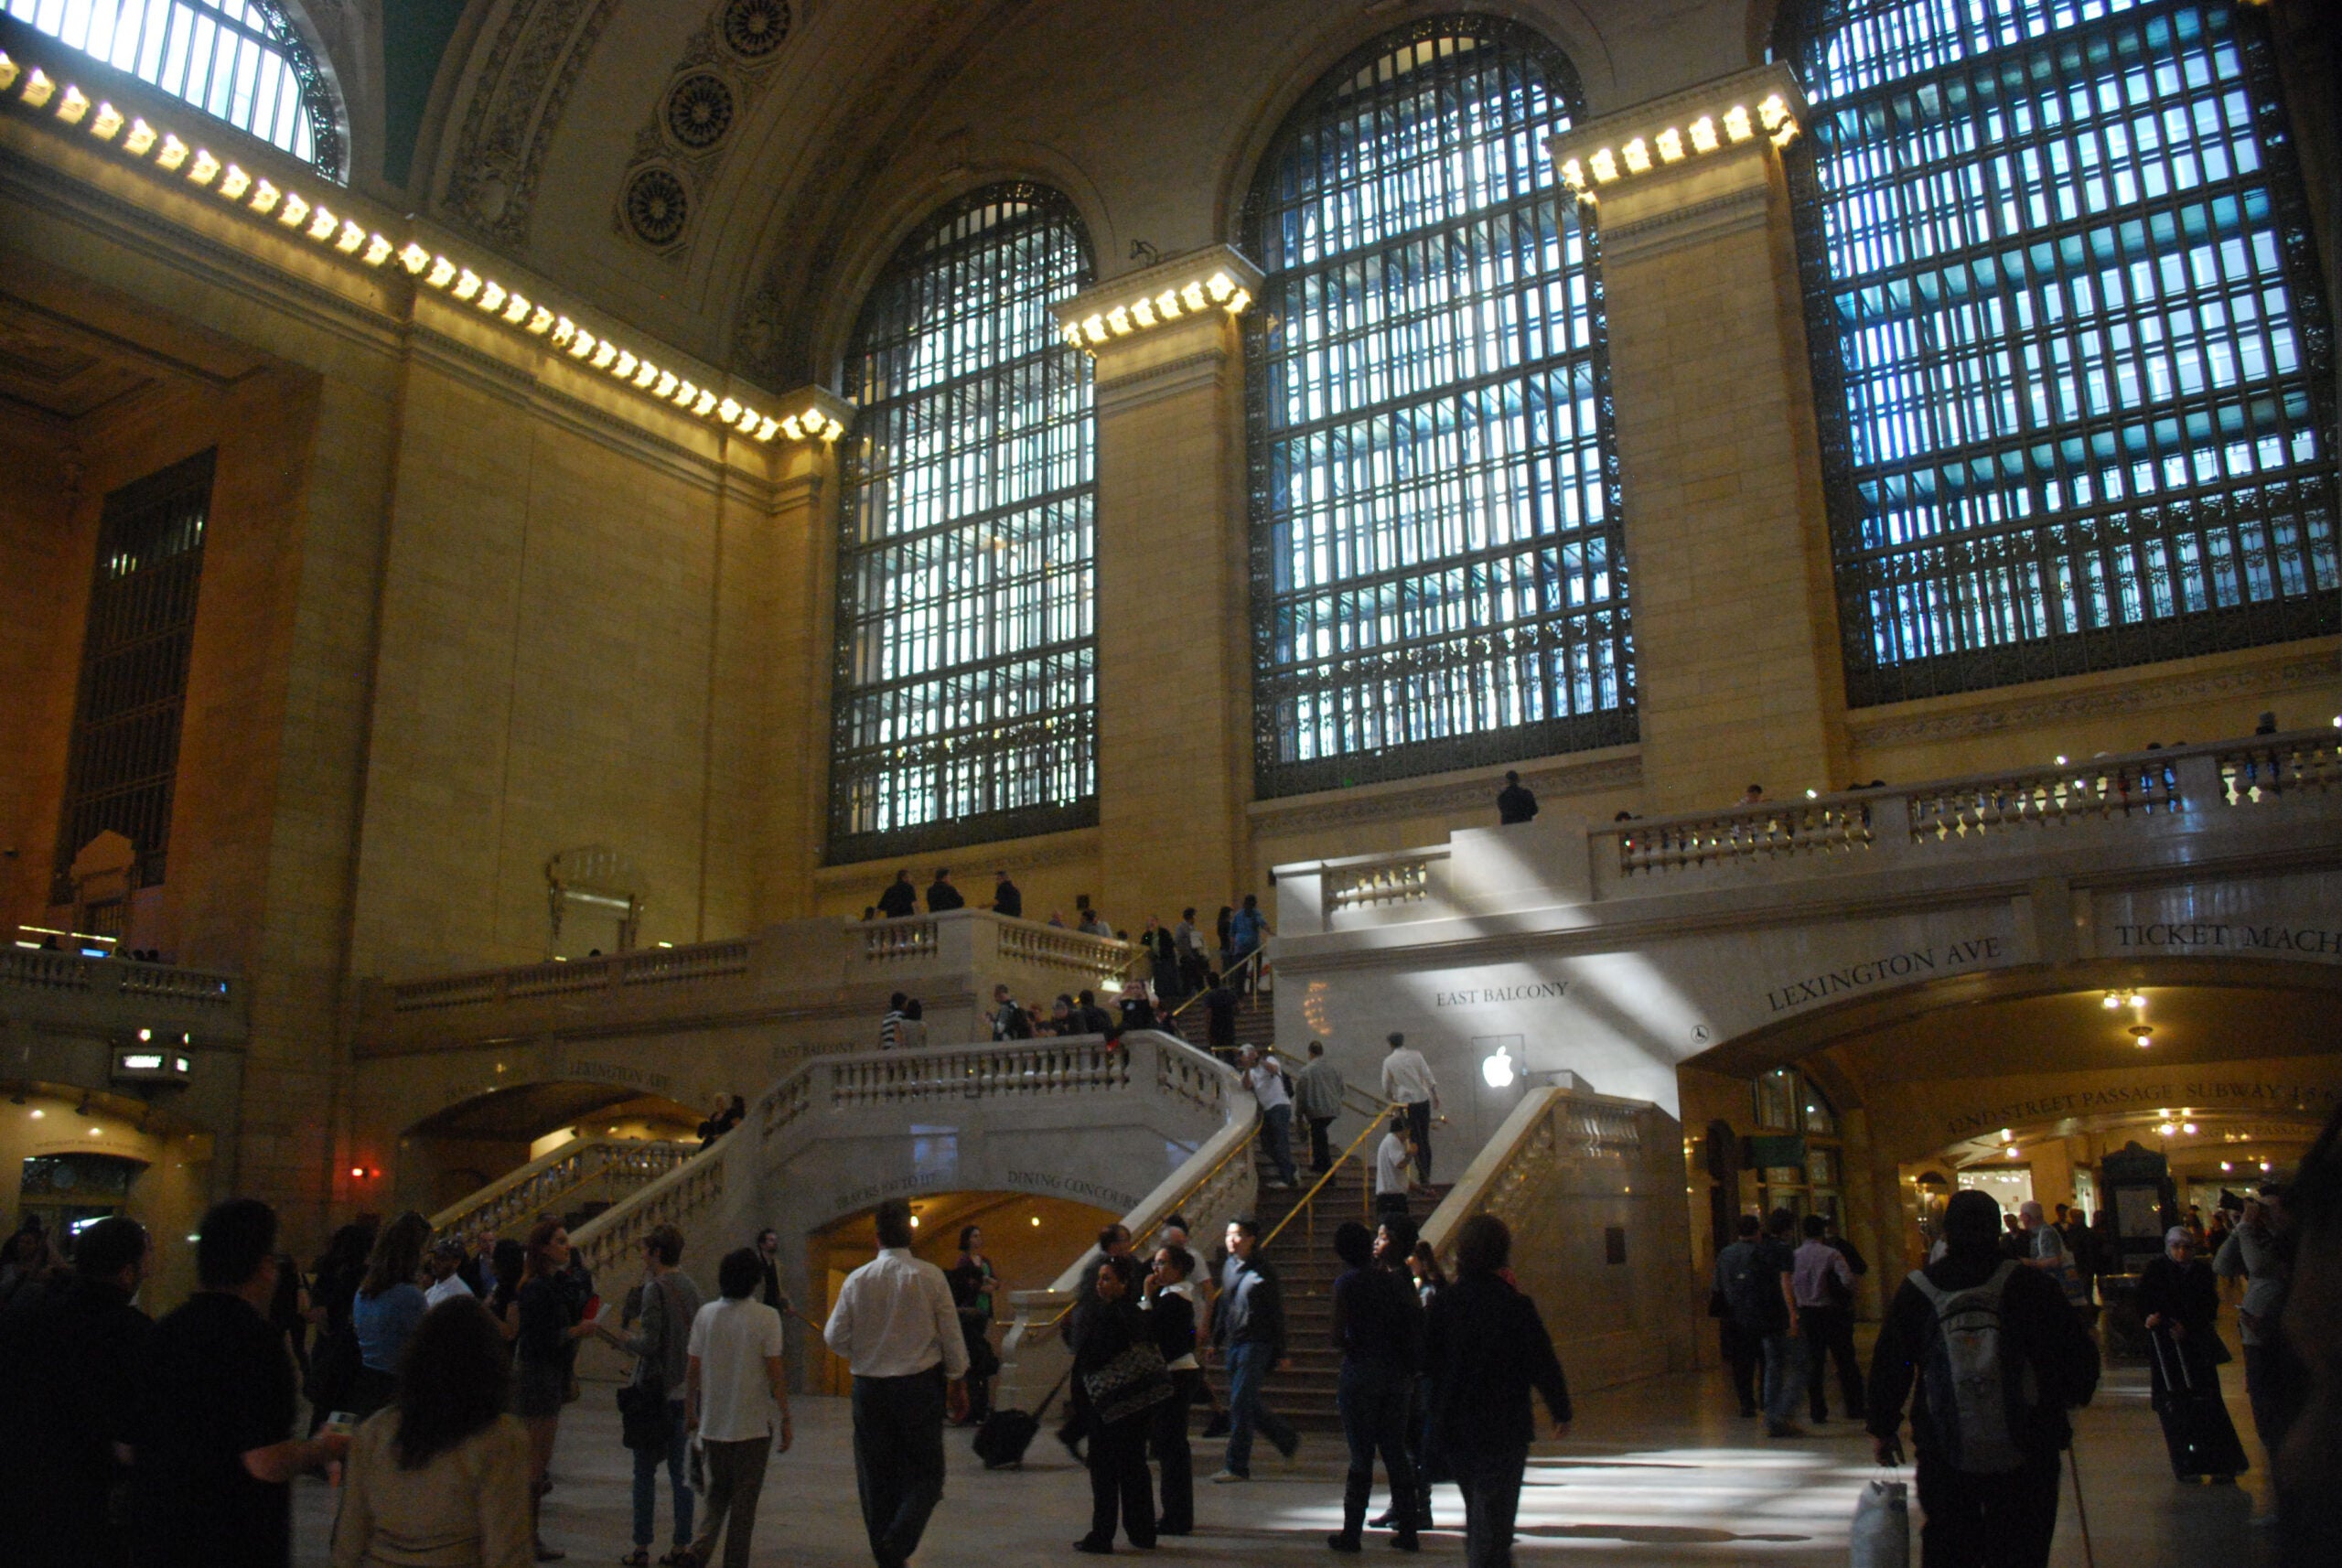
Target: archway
x,y
1029,1239
457,1150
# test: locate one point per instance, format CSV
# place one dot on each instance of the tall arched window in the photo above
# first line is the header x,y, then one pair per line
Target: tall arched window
x,y
965,695
2069,351
1437,578
238,61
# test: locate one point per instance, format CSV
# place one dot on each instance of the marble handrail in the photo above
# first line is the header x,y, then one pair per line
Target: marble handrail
x,y
533,1188
45,970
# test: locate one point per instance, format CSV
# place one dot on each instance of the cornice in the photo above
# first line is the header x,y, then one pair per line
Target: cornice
x,y
1153,383
2000,712
1677,227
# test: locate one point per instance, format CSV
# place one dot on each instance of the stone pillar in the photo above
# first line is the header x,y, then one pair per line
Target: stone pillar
x,y
1174,690
1739,673
779,702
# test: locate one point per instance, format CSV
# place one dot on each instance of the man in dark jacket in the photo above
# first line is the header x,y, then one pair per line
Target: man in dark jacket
x,y
1248,1325
1378,1327
67,1367
901,899
1988,1475
1515,803
943,896
1485,1348
1005,897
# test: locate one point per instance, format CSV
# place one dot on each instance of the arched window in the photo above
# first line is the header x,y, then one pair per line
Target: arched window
x,y
1437,578
965,696
2069,350
238,61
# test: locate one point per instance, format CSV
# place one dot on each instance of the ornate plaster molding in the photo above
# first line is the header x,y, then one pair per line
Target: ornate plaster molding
x,y
2143,696
517,101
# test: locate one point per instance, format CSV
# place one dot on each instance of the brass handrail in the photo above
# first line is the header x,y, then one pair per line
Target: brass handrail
x,y
1309,1199
1258,955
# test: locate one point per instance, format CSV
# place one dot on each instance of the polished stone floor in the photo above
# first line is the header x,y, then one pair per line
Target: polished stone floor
x,y
1657,1472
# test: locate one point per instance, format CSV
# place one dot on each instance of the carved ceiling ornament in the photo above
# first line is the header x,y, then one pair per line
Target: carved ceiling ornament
x,y
516,104
723,71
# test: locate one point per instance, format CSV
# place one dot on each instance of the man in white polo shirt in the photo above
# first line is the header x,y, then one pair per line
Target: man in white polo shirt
x,y
1406,1078
895,1326
735,1389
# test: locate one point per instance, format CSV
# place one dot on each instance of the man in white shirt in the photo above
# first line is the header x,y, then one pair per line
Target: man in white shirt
x,y
1406,1078
447,1258
736,1389
1392,1157
1265,1076
895,1326
1821,1284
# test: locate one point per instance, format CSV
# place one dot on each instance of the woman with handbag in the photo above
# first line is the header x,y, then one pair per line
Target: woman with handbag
x,y
1171,1298
1118,1379
650,1405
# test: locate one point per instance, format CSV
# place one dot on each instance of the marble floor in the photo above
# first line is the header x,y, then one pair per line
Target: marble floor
x,y
1657,1473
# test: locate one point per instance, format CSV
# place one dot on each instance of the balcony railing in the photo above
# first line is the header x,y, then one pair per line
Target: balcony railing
x,y
119,996
520,1195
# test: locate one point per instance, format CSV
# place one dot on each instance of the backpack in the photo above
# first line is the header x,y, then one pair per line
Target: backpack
x,y
1743,1292
1977,1390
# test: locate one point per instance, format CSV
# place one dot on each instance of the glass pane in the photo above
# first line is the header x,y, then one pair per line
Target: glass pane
x,y
966,689
1776,1097
2068,328
1437,572
1819,1115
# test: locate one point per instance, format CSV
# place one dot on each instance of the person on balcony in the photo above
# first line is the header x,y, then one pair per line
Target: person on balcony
x,y
1265,1076
1005,897
1407,1079
1317,1090
901,899
1137,1011
1220,1015
1094,1019
942,896
890,1028
1010,1021
1515,802
1247,1326
1247,930
1190,950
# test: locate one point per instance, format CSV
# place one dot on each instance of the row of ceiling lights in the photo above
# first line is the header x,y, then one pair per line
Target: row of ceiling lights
x,y
313,219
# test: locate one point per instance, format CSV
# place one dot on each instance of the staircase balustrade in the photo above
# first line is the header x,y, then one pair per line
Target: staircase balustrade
x,y
536,1188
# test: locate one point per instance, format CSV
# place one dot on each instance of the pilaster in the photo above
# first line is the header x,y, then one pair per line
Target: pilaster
x,y
1737,662
1174,662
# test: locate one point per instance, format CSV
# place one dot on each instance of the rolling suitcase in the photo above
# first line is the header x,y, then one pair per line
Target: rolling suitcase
x,y
2196,1424
1003,1436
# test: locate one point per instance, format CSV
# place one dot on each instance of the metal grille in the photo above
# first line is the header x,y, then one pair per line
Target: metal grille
x,y
2070,354
1438,579
238,61
125,747
965,695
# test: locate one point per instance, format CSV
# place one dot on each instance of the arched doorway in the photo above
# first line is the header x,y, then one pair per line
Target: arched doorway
x,y
456,1151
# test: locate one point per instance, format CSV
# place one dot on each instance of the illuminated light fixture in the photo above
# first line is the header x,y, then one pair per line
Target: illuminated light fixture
x,y
763,430
38,88
684,394
516,309
1166,305
1787,133
1604,165
442,273
108,123
1143,312
2165,1130
2188,1128
492,296
749,419
378,251
812,417
322,225
1704,135
1813,794
1037,1219
141,138
1637,156
204,169
295,213
728,411
541,322
1670,143
2143,1033
1735,123
2013,1153
2111,1001
2265,1167
1119,318
414,258
1220,287
2226,1166
1073,336
702,404
1496,1070
72,106
564,330
603,355
667,380
624,369
9,71
645,373
467,284
1772,113
1238,301
581,343
2138,999
234,183
1192,296
175,152
1574,173
1094,326
790,428
264,196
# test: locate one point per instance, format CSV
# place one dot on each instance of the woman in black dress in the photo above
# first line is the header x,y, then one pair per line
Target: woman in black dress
x,y
1108,1324
2180,1302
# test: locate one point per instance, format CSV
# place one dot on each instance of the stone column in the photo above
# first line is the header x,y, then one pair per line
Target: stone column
x,y
1738,668
1174,690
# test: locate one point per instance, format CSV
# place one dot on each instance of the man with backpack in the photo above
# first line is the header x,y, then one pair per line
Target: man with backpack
x,y
1991,1358
1733,1302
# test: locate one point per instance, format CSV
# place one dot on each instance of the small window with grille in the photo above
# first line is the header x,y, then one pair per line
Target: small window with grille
x,y
125,744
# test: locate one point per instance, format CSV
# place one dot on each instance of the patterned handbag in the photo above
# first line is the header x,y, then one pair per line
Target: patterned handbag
x,y
1133,1381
